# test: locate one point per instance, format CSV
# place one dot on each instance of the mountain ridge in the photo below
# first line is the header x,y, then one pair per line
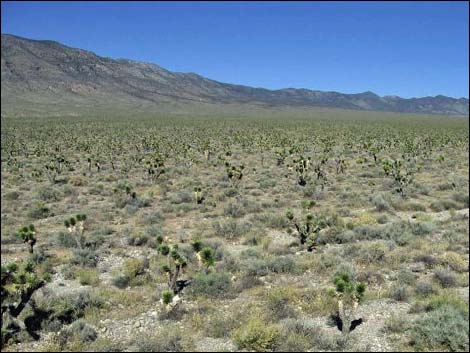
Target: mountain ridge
x,y
48,72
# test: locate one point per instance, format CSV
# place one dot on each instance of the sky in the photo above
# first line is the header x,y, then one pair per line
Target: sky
x,y
410,49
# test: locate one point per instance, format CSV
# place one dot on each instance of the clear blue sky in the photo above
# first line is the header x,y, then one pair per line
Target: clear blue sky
x,y
404,48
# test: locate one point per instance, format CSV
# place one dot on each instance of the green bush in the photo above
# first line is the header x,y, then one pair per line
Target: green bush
x,y
278,304
445,328
445,277
83,331
282,264
400,293
167,339
40,211
137,239
121,281
257,336
212,285
231,229
88,277
220,326
134,267
443,205
85,257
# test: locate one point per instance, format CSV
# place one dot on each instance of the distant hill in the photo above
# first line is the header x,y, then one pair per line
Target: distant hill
x,y
42,74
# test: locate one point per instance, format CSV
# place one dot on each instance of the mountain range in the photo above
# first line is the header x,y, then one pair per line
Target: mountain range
x,y
49,74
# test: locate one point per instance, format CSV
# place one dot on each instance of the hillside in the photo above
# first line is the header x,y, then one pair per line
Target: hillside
x,y
43,75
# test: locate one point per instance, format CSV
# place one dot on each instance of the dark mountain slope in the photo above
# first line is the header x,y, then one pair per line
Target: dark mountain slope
x,y
46,72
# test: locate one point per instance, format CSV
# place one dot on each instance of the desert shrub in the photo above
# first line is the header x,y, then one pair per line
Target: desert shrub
x,y
276,221
373,253
230,192
401,293
462,198
267,183
153,231
137,239
40,211
182,197
370,277
85,257
454,261
443,205
121,281
98,189
254,267
278,304
326,262
445,328
77,180
230,229
253,238
39,256
340,237
447,299
220,326
301,328
167,339
78,330
134,267
414,206
235,210
48,194
382,219
131,209
422,228
396,324
424,288
71,307
282,264
293,342
247,281
309,191
406,277
257,336
317,302
12,195
64,239
152,218
445,277
428,260
88,277
212,285
380,203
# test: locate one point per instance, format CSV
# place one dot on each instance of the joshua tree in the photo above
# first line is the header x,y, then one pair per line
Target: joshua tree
x,y
27,234
125,191
76,227
307,229
349,294
18,284
402,176
175,263
301,167
205,255
167,297
281,156
198,195
54,168
235,174
155,166
340,165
